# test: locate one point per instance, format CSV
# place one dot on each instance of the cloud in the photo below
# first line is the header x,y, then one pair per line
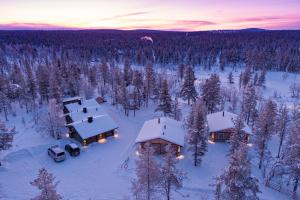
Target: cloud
x,y
126,15
266,18
34,26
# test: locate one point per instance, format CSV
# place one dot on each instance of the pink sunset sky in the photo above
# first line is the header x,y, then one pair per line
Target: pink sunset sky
x,y
184,15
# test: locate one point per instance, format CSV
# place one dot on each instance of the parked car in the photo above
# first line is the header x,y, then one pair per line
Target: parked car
x,y
57,153
73,149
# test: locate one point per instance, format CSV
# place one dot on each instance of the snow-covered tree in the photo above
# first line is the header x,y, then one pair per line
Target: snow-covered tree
x,y
291,157
6,137
31,86
264,128
282,122
211,92
180,71
236,183
4,104
172,178
53,124
249,103
230,78
55,86
262,78
46,183
148,175
42,76
165,101
188,91
127,72
87,89
197,132
149,81
238,136
246,76
176,109
295,90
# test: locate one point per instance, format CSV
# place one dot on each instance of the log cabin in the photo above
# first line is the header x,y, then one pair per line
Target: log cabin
x,y
71,100
221,126
92,129
79,105
160,132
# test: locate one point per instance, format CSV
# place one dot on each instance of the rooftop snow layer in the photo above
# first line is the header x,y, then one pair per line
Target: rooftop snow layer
x,y
75,107
72,98
219,121
100,124
90,111
168,129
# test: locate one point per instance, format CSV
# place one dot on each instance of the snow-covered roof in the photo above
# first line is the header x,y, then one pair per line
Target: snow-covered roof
x,y
90,111
75,107
223,120
100,124
72,98
167,129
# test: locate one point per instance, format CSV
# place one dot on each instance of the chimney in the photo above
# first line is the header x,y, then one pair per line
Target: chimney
x,y
84,110
158,120
223,113
90,119
79,102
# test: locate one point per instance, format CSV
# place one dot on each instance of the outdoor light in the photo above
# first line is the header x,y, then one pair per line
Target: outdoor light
x,y
101,141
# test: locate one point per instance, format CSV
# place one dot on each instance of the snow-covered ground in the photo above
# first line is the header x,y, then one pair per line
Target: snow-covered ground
x,y
98,173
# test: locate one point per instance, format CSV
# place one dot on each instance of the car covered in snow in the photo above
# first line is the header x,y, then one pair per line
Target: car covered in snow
x,y
73,149
57,153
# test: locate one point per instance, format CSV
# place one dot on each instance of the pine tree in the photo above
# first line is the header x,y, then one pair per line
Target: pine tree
x,y
262,78
238,136
282,122
180,71
104,71
176,110
291,157
249,103
6,137
145,186
230,78
165,101
53,124
211,92
46,183
127,72
30,82
149,81
188,90
4,104
236,180
264,127
42,76
197,132
172,178
246,76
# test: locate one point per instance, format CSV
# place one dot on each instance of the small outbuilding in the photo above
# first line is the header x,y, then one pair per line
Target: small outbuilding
x,y
71,100
221,126
79,105
160,132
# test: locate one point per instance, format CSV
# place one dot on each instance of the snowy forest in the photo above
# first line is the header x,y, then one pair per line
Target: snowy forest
x,y
141,74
